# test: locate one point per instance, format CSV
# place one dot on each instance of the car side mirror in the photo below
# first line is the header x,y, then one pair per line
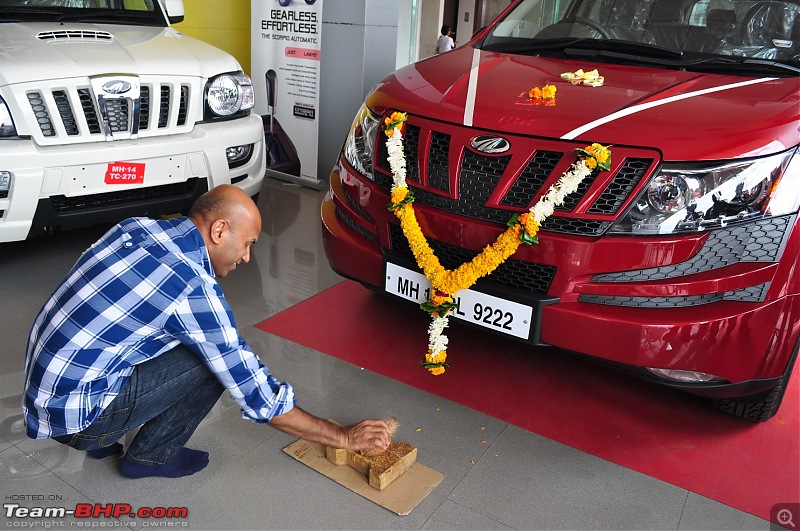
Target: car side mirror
x,y
175,12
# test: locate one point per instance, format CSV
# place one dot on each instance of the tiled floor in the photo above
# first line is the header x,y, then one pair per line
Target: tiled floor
x,y
519,480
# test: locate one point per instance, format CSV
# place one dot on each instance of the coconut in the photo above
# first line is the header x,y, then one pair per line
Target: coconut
x,y
373,451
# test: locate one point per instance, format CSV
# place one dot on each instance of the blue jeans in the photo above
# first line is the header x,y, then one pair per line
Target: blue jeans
x,y
167,396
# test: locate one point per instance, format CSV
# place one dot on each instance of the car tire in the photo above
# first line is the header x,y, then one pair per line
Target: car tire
x,y
765,409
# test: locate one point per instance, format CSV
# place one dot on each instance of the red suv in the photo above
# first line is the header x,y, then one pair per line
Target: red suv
x,y
679,263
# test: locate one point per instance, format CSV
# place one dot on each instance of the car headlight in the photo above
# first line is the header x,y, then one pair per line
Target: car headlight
x,y
685,197
360,144
228,94
6,123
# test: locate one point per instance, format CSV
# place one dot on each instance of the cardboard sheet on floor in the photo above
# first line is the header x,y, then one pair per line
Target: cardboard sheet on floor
x,y
405,493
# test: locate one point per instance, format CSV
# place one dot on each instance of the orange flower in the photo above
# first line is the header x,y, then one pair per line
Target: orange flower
x,y
399,194
438,358
600,152
436,371
531,227
438,300
397,118
548,92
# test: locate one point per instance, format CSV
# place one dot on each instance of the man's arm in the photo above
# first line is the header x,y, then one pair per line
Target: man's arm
x,y
297,422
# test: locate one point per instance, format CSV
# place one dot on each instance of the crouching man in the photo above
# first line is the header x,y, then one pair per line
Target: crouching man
x,y
139,335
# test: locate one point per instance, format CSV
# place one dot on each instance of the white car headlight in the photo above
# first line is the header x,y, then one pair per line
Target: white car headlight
x,y
360,144
7,128
229,94
694,197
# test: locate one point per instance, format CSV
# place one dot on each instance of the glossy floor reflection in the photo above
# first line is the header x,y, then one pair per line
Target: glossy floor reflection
x,y
506,478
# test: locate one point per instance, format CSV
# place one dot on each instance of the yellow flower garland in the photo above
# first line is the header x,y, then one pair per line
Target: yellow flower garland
x,y
522,228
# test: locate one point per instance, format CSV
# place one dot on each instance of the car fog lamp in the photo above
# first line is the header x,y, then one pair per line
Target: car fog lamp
x,y
237,153
685,376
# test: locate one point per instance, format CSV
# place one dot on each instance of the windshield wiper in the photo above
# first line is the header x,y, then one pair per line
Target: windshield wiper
x,y
595,48
766,63
26,13
629,50
523,46
105,14
741,63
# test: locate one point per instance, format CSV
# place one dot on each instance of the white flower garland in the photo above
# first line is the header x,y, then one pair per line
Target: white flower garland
x,y
397,159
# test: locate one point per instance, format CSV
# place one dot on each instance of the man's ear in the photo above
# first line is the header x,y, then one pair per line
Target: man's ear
x,y
217,230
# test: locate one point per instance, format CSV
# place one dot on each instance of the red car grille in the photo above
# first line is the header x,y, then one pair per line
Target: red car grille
x,y
483,187
516,274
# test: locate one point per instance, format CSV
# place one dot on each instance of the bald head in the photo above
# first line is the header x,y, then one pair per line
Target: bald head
x,y
229,222
223,201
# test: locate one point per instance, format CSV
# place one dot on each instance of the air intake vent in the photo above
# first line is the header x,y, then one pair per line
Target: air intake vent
x,y
75,35
65,111
40,112
163,112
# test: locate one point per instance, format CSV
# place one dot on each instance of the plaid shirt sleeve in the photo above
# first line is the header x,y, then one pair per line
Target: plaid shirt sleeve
x,y
204,322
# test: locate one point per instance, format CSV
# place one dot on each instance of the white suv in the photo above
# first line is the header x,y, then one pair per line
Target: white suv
x,y
108,112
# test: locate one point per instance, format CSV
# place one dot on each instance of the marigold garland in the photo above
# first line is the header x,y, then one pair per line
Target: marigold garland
x,y
522,228
547,92
545,95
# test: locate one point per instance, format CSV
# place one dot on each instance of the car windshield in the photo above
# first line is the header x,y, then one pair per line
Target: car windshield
x,y
733,33
138,12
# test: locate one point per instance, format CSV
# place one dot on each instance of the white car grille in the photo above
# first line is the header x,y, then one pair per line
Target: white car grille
x,y
85,112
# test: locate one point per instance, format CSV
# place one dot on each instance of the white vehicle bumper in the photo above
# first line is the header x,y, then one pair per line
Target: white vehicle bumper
x,y
69,173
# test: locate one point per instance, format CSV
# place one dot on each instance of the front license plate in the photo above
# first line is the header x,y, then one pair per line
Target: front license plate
x,y
498,314
125,173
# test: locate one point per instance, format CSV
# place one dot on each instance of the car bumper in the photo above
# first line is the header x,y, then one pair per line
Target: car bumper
x,y
65,174
747,344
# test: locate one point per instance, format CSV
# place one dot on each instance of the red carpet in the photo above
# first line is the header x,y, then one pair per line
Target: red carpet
x,y
666,434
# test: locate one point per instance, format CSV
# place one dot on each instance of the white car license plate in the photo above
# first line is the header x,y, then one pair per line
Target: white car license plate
x,y
492,312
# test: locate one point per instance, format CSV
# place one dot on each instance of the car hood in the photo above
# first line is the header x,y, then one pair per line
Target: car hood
x,y
685,115
141,50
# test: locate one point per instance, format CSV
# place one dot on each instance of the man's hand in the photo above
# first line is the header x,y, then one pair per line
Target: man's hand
x,y
354,438
368,434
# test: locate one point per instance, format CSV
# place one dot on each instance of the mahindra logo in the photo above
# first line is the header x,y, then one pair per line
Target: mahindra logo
x,y
490,144
116,86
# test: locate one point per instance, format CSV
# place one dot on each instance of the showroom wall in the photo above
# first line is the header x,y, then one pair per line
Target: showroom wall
x,y
359,47
225,24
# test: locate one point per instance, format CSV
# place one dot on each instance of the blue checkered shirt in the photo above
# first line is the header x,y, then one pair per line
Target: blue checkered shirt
x,y
144,288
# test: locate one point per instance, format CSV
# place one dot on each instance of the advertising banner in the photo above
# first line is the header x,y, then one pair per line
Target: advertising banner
x,y
286,57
